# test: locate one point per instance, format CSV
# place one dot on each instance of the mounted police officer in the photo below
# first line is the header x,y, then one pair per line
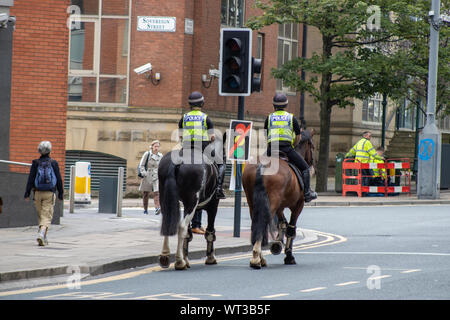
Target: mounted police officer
x,y
283,130
195,126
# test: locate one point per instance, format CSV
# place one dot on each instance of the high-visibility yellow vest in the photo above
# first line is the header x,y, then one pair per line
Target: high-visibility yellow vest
x,y
280,127
379,172
194,126
363,150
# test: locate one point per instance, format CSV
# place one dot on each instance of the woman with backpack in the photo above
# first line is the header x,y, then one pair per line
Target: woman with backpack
x,y
44,179
148,171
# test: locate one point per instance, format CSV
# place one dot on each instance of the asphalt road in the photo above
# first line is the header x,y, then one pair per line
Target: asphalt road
x,y
390,252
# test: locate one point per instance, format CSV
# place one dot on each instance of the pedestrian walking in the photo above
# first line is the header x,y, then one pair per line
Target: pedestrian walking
x,y
44,179
148,171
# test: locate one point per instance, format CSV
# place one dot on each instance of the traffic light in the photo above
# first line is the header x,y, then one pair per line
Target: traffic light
x,y
235,62
256,74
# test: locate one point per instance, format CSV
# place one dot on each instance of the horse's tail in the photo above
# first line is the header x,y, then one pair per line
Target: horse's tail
x,y
170,205
261,216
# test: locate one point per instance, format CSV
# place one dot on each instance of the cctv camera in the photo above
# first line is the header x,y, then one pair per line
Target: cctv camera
x,y
142,69
3,19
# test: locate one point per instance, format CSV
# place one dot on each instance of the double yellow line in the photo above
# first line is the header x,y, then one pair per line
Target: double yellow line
x,y
329,240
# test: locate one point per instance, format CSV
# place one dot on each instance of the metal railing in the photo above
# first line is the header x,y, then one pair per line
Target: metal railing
x,y
16,163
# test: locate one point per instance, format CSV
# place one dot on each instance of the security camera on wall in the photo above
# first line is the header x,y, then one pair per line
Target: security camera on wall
x,y
142,69
3,19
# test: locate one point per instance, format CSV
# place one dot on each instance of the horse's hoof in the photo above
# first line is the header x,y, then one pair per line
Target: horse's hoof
x,y
263,263
276,248
164,261
180,265
210,261
256,266
289,260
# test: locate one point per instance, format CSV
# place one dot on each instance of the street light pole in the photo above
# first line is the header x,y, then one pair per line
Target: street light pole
x,y
383,120
429,150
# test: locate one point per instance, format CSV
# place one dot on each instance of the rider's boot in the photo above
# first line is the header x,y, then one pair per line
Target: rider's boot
x,y
309,194
219,190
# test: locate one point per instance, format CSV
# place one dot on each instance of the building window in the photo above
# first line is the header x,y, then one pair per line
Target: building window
x,y
232,13
372,109
98,57
287,49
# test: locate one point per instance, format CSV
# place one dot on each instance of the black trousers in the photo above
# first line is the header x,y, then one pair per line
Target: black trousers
x,y
292,155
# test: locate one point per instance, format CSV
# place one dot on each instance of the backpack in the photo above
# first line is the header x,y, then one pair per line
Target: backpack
x,y
45,177
145,166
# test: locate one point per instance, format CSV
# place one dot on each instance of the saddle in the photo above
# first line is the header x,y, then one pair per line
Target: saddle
x,y
294,168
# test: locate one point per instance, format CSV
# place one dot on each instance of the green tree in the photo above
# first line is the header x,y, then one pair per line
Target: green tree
x,y
417,55
351,64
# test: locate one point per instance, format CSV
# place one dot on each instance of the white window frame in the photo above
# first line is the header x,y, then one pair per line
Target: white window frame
x,y
97,19
377,97
289,42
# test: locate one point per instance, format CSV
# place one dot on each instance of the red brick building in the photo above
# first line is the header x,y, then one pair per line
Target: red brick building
x,y
39,79
33,97
115,111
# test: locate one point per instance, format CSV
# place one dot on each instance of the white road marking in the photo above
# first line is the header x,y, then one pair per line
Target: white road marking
x,y
153,296
380,277
330,239
380,253
313,289
346,283
86,295
410,271
276,295
113,295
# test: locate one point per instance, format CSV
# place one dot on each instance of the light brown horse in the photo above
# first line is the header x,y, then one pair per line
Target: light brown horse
x,y
268,194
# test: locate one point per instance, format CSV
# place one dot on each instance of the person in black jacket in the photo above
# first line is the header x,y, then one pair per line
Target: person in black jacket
x,y
44,194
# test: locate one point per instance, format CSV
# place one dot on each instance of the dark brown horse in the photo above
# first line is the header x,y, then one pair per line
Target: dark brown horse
x,y
268,194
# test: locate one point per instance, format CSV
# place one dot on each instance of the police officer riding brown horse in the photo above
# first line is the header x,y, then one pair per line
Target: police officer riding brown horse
x,y
269,192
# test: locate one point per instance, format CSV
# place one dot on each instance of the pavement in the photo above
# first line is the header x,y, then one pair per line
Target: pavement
x,y
96,243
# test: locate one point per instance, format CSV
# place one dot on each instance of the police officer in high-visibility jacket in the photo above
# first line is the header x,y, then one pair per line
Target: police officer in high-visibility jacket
x,y
195,127
283,130
363,150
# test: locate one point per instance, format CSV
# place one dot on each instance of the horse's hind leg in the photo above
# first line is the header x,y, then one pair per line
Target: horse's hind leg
x,y
164,261
186,241
255,261
210,234
277,246
181,260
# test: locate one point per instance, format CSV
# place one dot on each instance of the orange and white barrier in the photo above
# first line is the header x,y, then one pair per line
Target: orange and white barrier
x,y
352,177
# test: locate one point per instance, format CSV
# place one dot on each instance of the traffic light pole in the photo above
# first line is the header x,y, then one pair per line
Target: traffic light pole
x,y
238,186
